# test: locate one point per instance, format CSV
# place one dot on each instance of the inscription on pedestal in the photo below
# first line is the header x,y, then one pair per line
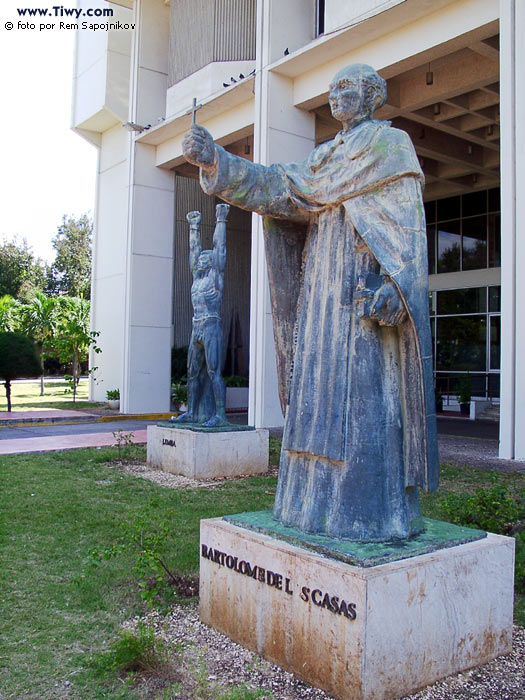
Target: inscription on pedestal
x,y
319,598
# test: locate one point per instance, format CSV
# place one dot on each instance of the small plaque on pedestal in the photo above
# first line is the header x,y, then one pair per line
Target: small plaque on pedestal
x,y
372,632
208,453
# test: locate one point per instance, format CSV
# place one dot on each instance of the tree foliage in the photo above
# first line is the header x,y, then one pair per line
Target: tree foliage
x,y
20,271
9,313
18,358
73,337
39,320
70,273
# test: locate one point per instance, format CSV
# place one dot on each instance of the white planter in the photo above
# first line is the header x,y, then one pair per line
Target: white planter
x,y
114,404
237,397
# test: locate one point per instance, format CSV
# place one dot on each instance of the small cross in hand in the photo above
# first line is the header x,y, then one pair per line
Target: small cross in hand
x,y
193,111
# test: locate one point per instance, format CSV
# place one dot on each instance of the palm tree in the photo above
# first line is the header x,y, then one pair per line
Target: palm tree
x,y
39,320
9,313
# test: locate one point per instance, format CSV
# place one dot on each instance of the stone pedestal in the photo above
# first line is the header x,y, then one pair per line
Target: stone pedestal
x,y
359,633
208,454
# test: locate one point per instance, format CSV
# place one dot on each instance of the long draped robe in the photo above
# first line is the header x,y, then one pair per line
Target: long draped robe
x,y
360,429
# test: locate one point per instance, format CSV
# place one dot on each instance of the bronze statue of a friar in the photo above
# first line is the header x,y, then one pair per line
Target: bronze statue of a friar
x,y
347,263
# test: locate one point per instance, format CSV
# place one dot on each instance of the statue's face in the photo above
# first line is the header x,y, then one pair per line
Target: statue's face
x,y
346,97
205,261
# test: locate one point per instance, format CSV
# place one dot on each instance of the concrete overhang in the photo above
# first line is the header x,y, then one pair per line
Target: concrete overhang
x,y
392,41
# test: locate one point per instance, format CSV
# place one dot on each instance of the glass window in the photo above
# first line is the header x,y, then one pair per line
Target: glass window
x,y
494,199
430,212
432,303
495,299
431,249
461,343
474,203
474,243
448,209
494,383
449,241
494,240
495,342
462,301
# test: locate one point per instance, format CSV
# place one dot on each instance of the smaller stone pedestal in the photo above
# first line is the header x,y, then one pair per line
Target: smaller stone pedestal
x,y
359,632
208,454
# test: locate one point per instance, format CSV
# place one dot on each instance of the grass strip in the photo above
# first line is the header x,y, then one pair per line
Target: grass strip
x,y
56,507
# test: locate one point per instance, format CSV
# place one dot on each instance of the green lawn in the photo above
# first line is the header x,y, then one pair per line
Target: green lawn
x,y
25,396
55,507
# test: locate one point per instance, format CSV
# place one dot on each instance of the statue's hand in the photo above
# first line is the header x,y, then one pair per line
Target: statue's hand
x,y
198,147
194,218
387,307
221,212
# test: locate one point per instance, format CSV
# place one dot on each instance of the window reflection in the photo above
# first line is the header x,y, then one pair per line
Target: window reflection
x,y
431,249
465,237
449,241
495,299
494,240
474,243
461,343
462,301
495,342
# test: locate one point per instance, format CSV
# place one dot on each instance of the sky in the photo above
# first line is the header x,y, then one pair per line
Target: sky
x,y
46,170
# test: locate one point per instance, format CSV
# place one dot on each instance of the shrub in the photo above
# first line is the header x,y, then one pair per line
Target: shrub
x,y
235,380
18,359
179,393
493,510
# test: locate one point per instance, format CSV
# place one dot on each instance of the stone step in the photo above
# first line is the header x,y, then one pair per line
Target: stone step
x,y
490,413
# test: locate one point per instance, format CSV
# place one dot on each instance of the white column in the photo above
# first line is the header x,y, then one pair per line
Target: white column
x,y
512,105
149,268
281,133
519,121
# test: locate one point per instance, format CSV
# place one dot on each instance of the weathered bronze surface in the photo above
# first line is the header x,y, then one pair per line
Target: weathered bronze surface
x,y
347,263
206,388
436,535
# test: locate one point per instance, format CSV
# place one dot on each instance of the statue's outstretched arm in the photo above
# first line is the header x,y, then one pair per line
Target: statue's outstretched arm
x,y
240,182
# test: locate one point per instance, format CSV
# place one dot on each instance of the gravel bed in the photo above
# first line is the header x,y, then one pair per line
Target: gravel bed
x,y
229,664
175,481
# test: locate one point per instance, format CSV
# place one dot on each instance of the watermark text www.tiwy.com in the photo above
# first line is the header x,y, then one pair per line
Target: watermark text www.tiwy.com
x,y
60,17
61,11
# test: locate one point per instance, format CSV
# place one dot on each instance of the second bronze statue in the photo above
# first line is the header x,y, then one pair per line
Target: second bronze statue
x,y
206,388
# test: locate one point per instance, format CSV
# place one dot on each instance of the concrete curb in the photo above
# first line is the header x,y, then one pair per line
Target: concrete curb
x,y
36,422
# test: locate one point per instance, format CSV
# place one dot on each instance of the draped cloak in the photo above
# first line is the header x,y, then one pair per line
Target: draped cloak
x,y
357,396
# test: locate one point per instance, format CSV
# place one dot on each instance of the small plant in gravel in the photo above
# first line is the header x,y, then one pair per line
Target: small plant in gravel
x,y
136,657
123,441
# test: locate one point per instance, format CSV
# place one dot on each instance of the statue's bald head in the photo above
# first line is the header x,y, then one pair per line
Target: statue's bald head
x,y
373,86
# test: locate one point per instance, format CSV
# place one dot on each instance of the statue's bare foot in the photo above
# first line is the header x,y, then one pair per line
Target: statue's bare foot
x,y
215,421
185,418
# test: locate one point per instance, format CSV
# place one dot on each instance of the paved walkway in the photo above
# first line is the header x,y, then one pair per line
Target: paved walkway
x,y
27,437
461,441
50,415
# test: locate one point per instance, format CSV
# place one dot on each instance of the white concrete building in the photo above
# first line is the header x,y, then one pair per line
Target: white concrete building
x,y
452,68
